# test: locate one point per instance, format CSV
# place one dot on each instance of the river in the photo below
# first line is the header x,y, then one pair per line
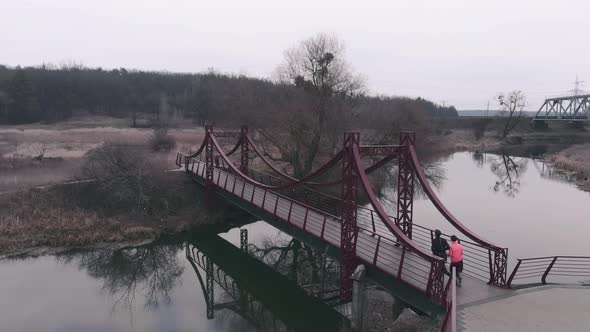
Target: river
x,y
515,202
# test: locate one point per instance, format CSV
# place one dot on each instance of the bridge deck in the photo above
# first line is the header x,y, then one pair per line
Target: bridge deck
x,y
546,308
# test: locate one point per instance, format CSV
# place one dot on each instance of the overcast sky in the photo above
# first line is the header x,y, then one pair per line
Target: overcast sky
x,y
460,52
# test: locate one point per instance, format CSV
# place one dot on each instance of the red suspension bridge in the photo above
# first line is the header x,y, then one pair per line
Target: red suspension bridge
x,y
393,246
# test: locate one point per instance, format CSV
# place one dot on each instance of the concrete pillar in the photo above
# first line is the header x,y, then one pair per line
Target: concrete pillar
x,y
359,299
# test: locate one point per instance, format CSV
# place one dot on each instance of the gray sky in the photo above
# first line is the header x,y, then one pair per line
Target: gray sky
x,y
461,52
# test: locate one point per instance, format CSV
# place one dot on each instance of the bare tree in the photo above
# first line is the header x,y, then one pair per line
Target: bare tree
x,y
512,107
317,67
151,272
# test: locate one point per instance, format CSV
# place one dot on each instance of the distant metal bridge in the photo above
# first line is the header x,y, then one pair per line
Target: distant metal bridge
x,y
574,108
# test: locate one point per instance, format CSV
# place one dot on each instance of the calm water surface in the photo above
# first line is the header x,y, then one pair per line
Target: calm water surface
x,y
531,210
154,288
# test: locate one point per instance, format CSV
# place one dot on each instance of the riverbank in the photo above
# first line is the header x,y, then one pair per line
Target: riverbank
x,y
53,218
566,150
575,160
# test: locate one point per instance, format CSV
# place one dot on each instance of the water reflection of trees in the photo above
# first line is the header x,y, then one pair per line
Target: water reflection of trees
x,y
508,171
434,171
151,271
311,269
479,158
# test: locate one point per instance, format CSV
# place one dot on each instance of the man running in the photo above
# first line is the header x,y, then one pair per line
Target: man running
x,y
456,253
439,248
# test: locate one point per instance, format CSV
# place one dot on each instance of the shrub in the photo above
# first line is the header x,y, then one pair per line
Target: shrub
x,y
126,179
161,140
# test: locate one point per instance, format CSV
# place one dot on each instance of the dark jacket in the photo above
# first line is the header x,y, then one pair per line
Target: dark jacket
x,y
439,247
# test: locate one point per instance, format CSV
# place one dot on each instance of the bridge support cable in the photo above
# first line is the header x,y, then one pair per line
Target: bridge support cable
x,y
246,144
348,223
268,163
289,179
405,184
252,181
435,283
389,152
498,256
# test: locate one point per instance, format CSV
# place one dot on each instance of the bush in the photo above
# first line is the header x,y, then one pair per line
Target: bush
x,y
127,179
161,140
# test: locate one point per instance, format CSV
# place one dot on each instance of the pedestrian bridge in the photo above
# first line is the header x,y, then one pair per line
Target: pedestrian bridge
x,y
395,249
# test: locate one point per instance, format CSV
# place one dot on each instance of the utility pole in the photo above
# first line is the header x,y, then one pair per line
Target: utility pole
x,y
577,84
488,109
576,91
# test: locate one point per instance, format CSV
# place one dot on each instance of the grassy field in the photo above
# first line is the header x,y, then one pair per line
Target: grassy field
x,y
38,155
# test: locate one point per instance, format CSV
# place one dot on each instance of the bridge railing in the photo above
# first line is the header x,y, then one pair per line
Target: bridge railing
x,y
477,257
565,268
374,249
450,321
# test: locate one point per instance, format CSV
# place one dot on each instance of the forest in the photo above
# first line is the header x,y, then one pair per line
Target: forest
x,y
50,94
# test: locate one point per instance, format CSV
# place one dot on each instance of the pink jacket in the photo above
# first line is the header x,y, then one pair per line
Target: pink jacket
x,y
456,252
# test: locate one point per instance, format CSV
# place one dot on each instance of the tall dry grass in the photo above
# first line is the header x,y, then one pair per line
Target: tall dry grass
x,y
575,158
45,218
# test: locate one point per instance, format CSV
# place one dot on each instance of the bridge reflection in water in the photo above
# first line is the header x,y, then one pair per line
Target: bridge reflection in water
x,y
277,287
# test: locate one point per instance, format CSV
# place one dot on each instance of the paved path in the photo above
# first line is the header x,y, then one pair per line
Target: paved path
x,y
538,309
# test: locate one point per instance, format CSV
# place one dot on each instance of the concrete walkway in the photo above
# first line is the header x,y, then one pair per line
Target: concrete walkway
x,y
538,309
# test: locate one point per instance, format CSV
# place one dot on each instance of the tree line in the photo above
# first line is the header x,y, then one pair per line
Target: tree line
x,y
50,94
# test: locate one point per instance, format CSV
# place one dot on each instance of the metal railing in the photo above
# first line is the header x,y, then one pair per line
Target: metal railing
x,y
530,270
450,322
477,258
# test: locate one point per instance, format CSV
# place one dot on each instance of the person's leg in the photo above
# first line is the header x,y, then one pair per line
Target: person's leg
x,y
456,269
445,271
459,270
